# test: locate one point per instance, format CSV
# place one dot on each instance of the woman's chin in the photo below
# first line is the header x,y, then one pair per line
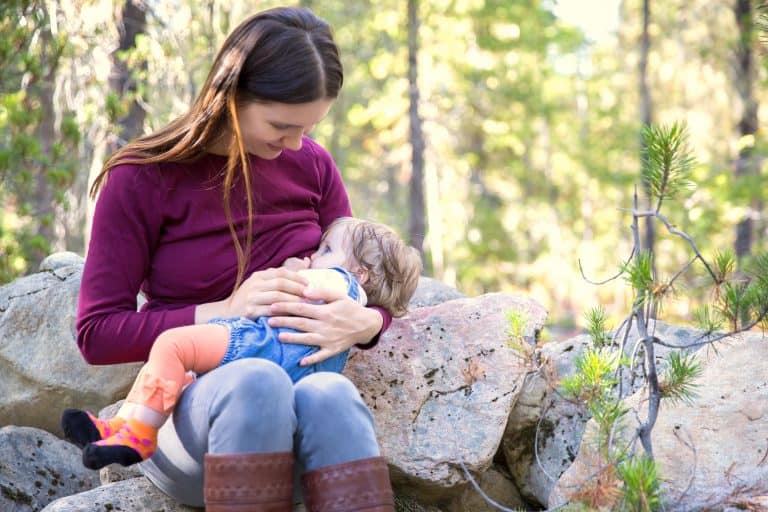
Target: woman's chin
x,y
267,152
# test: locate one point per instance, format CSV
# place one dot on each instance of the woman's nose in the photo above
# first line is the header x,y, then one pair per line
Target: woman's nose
x,y
292,142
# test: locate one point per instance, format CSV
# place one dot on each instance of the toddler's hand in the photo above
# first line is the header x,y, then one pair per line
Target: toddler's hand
x,y
296,264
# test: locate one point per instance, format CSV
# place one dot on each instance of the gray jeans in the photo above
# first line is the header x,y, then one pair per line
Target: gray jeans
x,y
251,405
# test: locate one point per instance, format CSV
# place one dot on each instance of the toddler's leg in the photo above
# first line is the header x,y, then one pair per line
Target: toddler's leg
x,y
199,348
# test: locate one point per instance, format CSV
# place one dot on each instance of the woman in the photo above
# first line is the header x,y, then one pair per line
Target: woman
x,y
197,216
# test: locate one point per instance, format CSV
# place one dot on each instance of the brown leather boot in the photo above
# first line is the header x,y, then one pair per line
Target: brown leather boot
x,y
248,482
360,485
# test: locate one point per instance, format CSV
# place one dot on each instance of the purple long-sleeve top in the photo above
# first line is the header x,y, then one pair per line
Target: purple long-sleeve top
x,y
161,229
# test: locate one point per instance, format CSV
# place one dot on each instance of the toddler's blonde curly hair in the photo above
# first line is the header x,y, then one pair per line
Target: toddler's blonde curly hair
x,y
393,267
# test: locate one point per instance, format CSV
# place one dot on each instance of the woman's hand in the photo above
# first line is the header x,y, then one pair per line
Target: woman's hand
x,y
256,294
333,326
296,264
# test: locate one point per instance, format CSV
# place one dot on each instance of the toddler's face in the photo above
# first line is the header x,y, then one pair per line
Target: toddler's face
x,y
333,249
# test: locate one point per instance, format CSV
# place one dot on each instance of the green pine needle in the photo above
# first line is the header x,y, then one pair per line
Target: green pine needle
x,y
734,302
708,319
608,414
667,161
594,376
516,322
677,381
597,318
724,263
758,268
642,488
639,272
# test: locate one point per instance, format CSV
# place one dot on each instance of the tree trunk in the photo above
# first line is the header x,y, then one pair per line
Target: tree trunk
x,y
132,21
46,134
646,115
744,82
417,225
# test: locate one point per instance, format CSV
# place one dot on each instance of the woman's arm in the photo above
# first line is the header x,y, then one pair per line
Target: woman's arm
x,y
126,225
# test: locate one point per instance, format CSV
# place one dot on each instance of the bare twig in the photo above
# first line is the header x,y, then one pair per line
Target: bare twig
x,y
689,444
627,324
681,271
719,337
487,498
681,234
598,283
654,394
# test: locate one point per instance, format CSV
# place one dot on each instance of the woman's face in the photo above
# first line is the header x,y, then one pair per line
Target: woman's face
x,y
268,128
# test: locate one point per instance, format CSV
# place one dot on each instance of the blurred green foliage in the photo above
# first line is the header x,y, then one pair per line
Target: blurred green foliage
x,y
36,150
532,131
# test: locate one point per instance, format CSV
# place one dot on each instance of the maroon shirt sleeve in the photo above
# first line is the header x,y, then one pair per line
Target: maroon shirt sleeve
x,y
126,224
387,321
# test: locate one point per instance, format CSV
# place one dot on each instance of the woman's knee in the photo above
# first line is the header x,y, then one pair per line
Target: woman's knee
x,y
249,380
327,393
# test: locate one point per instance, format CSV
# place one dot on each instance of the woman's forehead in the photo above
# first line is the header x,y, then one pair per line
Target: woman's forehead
x,y
300,115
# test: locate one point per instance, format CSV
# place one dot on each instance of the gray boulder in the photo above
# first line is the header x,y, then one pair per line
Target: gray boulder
x,y
560,422
711,454
441,384
431,292
41,369
134,495
59,260
497,484
37,468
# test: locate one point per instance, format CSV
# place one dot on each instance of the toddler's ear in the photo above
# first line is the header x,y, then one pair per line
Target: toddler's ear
x,y
361,274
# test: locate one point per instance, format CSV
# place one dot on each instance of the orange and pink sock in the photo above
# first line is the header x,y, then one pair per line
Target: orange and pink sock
x,y
82,427
133,442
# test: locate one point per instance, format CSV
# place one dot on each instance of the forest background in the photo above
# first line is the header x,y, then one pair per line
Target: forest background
x,y
496,134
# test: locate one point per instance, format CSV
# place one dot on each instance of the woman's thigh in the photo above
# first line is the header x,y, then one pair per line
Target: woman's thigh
x,y
244,406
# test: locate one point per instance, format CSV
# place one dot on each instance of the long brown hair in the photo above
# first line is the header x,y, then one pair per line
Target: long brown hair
x,y
283,55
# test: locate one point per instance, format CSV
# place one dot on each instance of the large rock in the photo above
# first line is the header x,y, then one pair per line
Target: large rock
x,y
41,369
36,468
560,422
497,485
134,495
59,260
431,292
440,384
711,454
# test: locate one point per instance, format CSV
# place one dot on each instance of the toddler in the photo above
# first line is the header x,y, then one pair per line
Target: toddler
x,y
365,260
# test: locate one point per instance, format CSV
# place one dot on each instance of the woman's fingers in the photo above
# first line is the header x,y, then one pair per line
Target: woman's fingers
x,y
320,355
323,294
276,280
266,287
